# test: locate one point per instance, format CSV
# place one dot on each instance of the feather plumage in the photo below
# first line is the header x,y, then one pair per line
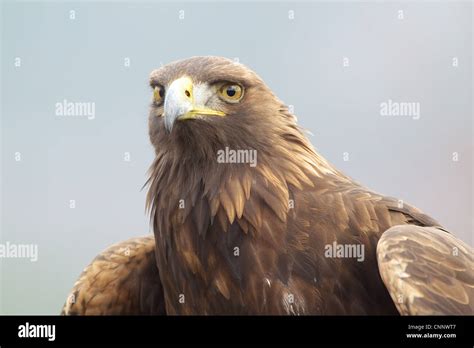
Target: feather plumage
x,y
231,238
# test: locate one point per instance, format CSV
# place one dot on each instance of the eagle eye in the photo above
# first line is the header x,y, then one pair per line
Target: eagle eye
x,y
231,92
158,94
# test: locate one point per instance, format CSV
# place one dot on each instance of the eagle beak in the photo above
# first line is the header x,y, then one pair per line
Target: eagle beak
x,y
182,103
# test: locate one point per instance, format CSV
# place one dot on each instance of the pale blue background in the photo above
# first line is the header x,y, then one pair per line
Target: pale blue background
x,y
301,60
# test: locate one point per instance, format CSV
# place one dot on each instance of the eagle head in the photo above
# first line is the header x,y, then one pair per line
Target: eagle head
x,y
203,104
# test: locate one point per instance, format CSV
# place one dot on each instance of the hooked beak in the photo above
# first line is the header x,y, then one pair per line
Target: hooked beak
x,y
183,102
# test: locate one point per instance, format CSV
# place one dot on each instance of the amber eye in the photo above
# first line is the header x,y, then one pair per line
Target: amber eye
x,y
158,94
231,92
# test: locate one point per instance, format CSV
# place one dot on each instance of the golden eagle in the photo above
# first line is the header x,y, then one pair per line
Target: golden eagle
x,y
249,219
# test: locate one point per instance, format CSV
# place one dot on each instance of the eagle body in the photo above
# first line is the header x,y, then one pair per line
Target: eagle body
x,y
244,248
273,238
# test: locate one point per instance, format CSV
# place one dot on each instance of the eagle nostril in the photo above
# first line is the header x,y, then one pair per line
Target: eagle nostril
x,y
187,93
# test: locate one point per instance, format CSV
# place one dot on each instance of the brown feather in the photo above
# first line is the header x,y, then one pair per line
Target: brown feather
x,y
239,246
122,280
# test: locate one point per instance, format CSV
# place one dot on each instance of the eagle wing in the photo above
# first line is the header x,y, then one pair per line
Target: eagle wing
x,y
427,271
122,280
